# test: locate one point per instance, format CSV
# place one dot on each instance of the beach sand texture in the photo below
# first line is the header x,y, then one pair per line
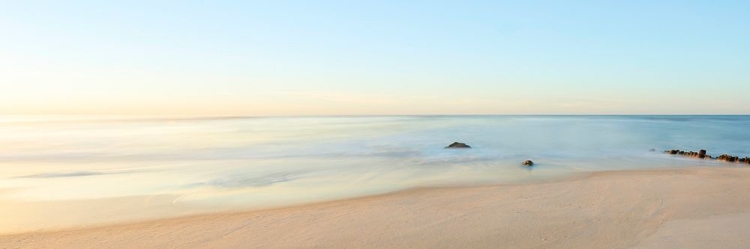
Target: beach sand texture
x,y
678,208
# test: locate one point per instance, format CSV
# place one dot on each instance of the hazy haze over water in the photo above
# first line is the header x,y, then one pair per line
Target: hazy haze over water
x,y
62,171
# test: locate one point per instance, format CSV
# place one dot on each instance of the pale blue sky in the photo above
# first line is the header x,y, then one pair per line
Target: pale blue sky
x,y
376,57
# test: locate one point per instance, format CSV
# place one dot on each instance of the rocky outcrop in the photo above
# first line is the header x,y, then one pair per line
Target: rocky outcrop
x,y
702,155
528,163
457,145
728,158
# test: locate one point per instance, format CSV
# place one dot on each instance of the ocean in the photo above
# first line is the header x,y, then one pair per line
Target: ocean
x,y
59,172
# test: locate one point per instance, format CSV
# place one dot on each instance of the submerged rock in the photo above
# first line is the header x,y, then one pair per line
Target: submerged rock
x,y
528,163
457,145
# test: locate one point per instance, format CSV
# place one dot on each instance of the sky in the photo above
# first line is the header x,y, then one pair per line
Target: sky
x,y
282,58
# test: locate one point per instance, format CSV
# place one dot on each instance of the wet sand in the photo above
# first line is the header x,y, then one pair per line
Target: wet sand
x,y
677,208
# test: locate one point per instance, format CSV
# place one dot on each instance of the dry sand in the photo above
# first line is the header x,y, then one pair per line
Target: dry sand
x,y
679,208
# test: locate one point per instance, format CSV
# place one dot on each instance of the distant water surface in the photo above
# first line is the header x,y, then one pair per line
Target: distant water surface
x,y
58,172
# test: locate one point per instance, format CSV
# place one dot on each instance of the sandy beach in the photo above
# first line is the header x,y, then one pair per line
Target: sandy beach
x,y
678,208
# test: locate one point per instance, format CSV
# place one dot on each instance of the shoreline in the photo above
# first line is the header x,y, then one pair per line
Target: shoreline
x,y
571,176
636,204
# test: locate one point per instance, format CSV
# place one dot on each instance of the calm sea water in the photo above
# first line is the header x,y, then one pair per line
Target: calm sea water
x,y
63,171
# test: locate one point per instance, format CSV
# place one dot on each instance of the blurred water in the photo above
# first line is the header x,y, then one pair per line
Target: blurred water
x,y
94,169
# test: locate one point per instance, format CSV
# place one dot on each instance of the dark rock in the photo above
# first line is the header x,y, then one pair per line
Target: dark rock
x,y
702,155
727,158
652,150
457,145
528,163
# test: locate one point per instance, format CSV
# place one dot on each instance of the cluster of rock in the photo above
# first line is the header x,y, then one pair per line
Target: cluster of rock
x,y
699,154
733,159
702,155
